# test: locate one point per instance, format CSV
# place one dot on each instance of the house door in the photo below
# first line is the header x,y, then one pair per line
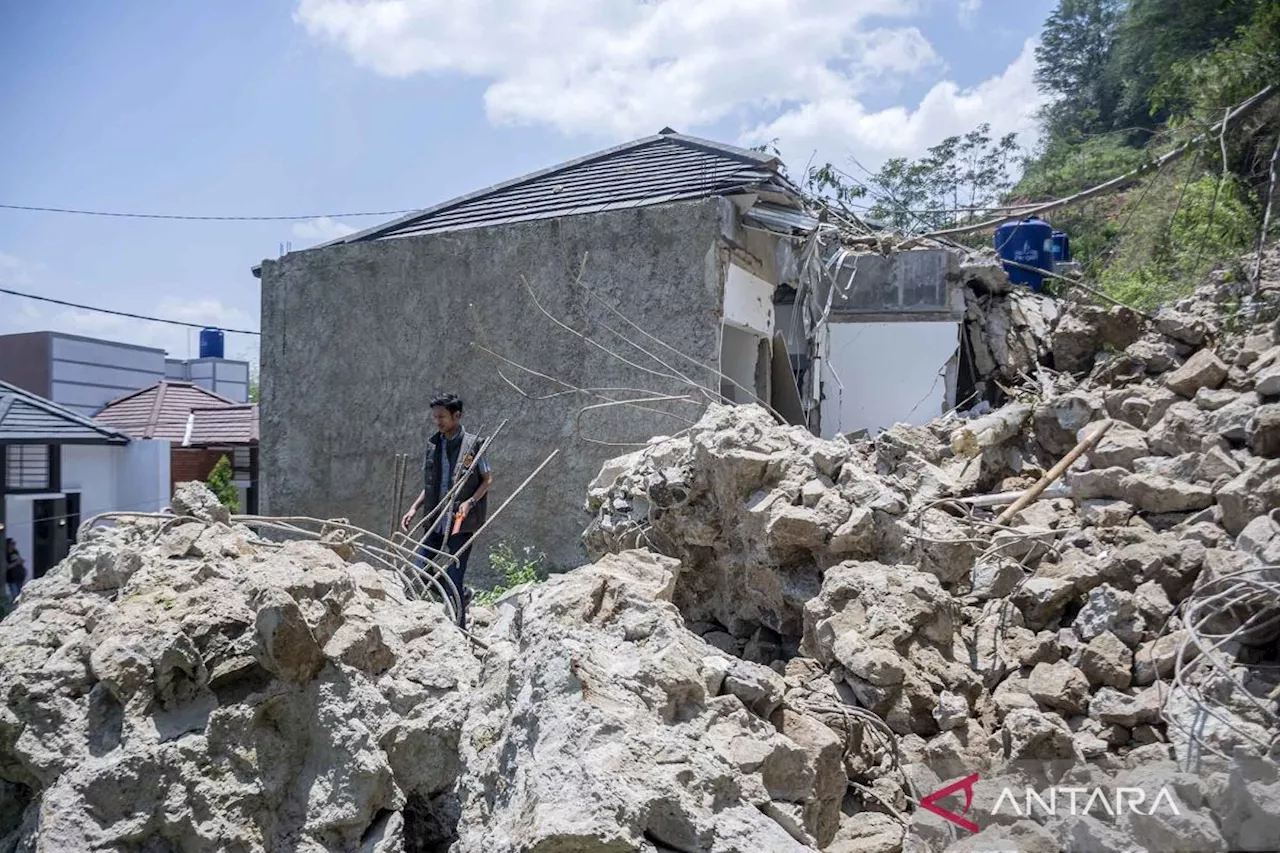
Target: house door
x,y
49,534
73,518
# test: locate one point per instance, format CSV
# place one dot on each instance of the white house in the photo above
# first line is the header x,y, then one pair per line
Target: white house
x,y
59,468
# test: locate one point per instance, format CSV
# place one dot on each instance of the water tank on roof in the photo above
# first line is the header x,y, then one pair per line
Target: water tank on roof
x,y
1028,243
211,343
1061,247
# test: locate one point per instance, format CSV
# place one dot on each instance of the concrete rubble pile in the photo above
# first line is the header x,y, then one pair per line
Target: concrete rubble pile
x,y
1128,621
783,644
182,684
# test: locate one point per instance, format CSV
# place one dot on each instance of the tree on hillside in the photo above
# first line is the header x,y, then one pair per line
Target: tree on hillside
x,y
935,191
1075,64
1201,85
1154,36
960,172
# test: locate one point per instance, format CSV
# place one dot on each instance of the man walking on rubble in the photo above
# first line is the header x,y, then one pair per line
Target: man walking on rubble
x,y
452,457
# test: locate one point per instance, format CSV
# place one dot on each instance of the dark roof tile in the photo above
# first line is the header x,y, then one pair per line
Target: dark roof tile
x,y
28,418
654,170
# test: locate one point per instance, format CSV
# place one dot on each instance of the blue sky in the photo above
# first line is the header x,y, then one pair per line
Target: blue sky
x,y
246,107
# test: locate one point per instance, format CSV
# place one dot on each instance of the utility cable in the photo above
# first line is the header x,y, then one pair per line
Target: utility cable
x,y
120,215
1242,109
126,313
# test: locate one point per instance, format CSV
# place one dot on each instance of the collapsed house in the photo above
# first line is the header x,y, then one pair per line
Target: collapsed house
x,y
587,306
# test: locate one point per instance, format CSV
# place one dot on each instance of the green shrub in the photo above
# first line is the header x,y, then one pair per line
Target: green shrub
x,y
1174,237
1066,167
517,568
220,483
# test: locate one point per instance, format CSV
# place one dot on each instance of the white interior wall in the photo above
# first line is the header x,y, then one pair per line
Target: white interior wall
x,y
891,373
738,353
748,302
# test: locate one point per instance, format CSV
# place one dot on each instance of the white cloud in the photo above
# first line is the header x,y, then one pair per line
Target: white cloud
x,y
29,315
15,272
796,70
968,9
322,229
627,68
900,52
838,127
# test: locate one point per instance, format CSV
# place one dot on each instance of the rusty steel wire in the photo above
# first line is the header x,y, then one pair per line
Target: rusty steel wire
x,y
1222,616
393,559
657,340
602,394
670,373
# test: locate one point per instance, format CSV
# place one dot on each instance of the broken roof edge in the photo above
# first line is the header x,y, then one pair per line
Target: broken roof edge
x,y
746,155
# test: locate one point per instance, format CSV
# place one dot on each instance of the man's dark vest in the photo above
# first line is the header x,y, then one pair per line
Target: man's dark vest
x,y
467,458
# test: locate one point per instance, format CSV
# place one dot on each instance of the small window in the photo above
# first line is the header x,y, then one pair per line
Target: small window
x,y
73,517
27,467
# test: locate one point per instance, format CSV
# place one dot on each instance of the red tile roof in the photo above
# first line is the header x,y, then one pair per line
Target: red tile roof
x,y
218,425
159,411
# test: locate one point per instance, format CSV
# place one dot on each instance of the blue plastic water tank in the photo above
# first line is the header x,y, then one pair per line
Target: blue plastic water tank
x,y
1030,243
211,343
1061,247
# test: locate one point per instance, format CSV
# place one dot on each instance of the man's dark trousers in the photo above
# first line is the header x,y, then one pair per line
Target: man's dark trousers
x,y
459,544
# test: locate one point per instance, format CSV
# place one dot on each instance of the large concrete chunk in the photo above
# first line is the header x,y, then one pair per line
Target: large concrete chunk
x,y
211,708
1202,370
1156,494
1263,431
1118,448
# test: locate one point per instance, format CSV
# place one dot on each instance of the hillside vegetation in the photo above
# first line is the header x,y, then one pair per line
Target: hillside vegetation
x,y
1127,82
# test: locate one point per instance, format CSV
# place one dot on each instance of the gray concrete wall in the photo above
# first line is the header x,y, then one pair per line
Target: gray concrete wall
x,y
356,339
26,361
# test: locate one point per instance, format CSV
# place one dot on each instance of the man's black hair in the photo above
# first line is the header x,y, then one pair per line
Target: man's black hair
x,y
452,402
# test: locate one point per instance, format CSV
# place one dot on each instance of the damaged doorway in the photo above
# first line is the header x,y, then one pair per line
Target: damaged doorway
x,y
881,374
746,336
745,359
889,348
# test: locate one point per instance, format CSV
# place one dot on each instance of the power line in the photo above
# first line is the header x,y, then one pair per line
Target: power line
x,y
121,215
1242,109
126,313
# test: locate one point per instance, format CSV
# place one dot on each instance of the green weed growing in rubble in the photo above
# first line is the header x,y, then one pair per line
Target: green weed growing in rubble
x,y
221,483
518,567
1175,237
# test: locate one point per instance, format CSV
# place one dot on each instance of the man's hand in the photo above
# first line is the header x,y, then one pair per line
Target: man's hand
x,y
467,505
408,519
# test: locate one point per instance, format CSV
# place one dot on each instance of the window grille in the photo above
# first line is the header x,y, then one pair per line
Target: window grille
x,y
27,466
